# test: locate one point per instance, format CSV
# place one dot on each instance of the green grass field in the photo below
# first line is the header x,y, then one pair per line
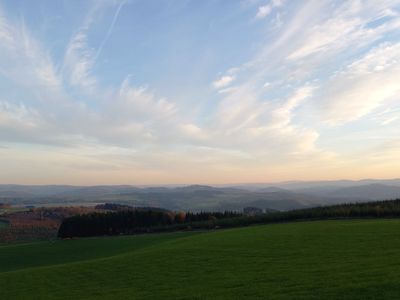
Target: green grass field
x,y
358,259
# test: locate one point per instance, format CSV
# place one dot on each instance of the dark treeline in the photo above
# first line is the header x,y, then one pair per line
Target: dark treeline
x,y
376,209
210,216
130,222
119,207
135,221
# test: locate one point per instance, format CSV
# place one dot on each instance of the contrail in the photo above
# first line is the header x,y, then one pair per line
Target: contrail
x,y
110,29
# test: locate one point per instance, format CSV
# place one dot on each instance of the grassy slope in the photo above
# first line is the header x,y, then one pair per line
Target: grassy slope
x,y
309,260
21,256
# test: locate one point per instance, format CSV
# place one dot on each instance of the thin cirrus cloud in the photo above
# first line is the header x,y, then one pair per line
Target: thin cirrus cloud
x,y
328,66
365,85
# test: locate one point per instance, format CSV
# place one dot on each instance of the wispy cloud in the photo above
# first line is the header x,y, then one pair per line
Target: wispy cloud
x,y
264,10
223,81
363,86
78,62
80,58
349,24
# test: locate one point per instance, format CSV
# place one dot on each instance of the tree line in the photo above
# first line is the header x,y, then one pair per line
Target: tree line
x,y
135,221
130,222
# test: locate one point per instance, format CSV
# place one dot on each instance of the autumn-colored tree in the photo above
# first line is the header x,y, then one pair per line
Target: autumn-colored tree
x,y
180,217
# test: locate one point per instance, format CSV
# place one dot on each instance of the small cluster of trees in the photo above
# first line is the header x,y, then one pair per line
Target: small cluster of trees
x,y
134,221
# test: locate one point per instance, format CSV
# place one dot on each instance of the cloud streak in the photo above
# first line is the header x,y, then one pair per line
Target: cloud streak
x,y
110,30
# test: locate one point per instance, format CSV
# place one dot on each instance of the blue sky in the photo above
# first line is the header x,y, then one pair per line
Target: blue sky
x,y
154,92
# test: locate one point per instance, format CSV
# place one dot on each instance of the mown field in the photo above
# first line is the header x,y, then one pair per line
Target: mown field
x,y
352,259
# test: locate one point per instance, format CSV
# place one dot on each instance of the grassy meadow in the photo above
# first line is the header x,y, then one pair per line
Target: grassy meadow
x,y
352,259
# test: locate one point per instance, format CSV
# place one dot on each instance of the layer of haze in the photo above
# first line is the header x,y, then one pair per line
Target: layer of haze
x,y
156,92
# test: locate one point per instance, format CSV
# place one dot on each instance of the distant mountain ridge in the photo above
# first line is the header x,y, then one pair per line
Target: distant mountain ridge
x,y
294,185
280,196
373,191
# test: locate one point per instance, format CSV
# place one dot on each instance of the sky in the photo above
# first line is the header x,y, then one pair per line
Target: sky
x,y
207,92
